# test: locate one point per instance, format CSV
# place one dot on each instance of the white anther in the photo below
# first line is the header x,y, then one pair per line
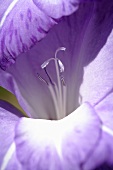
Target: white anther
x,y
61,66
44,64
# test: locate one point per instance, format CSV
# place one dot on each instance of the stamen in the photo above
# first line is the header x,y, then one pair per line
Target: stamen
x,y
58,91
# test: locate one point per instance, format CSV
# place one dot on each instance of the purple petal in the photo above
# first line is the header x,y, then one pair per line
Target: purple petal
x,y
105,110
64,144
57,9
102,154
8,119
13,163
23,23
80,144
104,151
97,81
8,82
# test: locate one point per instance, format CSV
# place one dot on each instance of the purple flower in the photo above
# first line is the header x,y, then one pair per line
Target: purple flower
x,y
63,83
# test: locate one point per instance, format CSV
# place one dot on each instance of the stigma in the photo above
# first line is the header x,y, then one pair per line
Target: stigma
x,y
57,89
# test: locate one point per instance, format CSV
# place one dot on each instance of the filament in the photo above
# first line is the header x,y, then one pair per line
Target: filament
x,y
50,79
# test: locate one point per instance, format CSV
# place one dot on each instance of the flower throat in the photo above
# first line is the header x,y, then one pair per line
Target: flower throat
x,y
57,90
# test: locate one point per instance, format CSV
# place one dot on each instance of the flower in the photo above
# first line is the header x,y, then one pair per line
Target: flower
x,y
51,85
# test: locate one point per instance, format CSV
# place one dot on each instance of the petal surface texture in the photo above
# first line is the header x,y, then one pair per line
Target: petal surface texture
x,y
8,119
23,23
97,87
45,144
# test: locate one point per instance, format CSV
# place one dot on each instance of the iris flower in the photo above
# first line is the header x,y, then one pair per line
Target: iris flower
x,y
56,57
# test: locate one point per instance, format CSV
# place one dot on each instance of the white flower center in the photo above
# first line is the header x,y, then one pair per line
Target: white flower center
x,y
57,90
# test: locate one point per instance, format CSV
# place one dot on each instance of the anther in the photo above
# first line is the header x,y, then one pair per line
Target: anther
x,y
42,79
44,65
62,80
61,66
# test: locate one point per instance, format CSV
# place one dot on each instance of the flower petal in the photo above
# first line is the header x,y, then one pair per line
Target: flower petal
x,y
104,110
58,8
13,164
8,82
101,95
63,144
100,68
35,19
103,153
85,136
8,119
